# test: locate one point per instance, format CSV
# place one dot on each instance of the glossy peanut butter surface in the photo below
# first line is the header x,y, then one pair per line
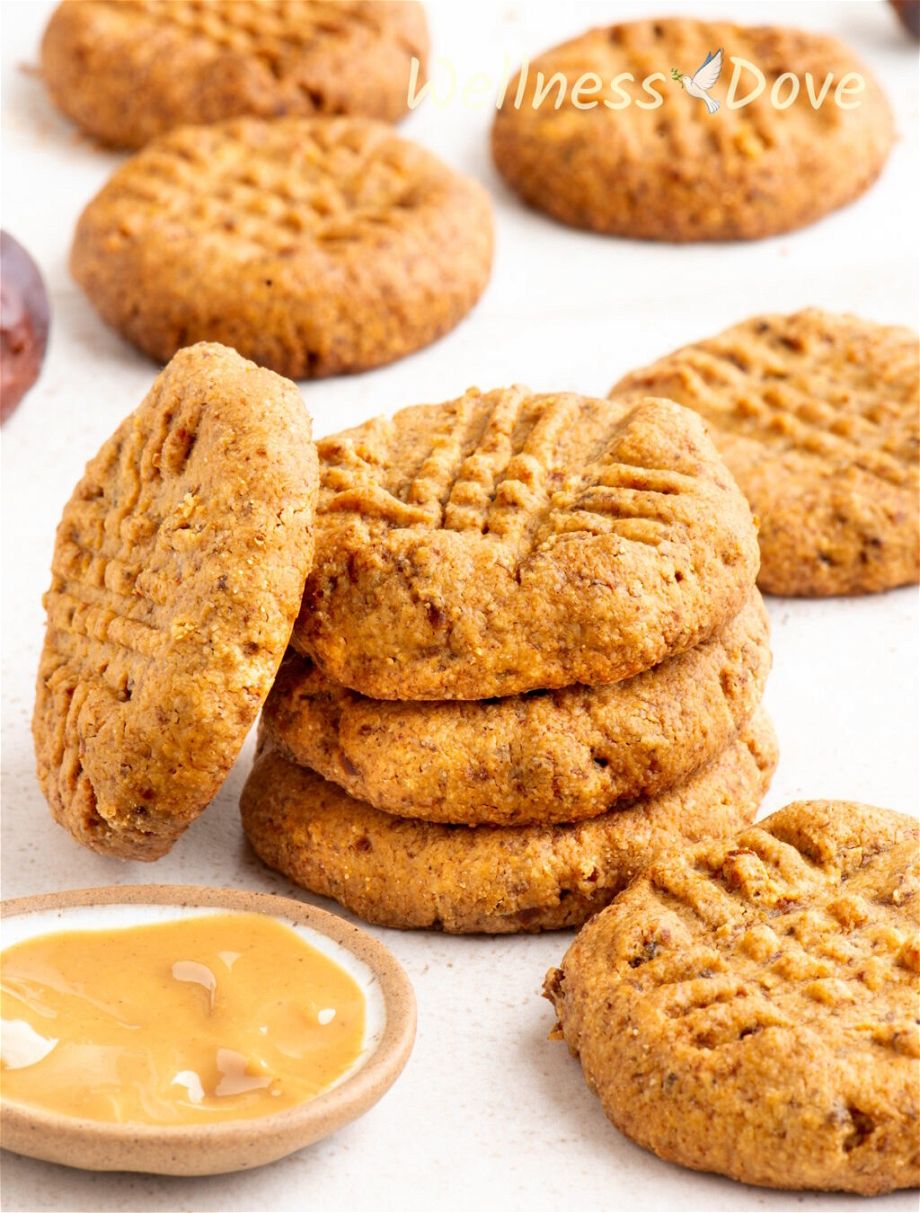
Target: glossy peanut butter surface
x,y
186,1022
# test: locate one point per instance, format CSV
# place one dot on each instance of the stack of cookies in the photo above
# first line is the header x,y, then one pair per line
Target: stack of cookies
x,y
529,659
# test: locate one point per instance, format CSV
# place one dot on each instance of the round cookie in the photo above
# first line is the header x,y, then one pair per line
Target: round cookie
x,y
817,416
177,573
398,872
662,167
507,542
312,246
128,70
549,756
749,1006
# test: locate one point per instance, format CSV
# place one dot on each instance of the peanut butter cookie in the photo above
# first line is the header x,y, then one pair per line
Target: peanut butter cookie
x,y
398,872
750,1006
544,757
625,148
177,573
818,417
508,542
313,246
128,70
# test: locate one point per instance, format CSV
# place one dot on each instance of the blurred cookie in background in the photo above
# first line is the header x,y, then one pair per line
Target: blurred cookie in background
x,y
683,130
128,70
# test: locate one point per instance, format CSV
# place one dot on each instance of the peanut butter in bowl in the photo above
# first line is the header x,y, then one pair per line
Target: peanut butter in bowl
x,y
185,1031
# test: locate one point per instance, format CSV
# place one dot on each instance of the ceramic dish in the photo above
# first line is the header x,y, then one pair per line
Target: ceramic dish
x,y
235,1145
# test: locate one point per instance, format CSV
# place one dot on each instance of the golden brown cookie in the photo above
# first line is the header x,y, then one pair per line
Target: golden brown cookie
x,y
398,872
508,542
128,70
750,1006
543,757
818,417
643,157
177,574
313,246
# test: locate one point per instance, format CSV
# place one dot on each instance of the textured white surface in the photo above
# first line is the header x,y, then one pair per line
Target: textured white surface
x,y
488,1115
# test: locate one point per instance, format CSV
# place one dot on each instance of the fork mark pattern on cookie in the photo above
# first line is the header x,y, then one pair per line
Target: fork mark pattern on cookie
x,y
163,567
264,198
776,388
494,468
263,29
791,931
668,170
491,512
749,1005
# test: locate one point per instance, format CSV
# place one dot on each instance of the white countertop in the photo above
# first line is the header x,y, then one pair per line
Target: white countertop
x,y
489,1115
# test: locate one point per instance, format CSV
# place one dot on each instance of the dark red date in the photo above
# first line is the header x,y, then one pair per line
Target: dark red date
x,y
909,13
24,320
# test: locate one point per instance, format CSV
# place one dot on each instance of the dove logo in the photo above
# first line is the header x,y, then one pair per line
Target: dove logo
x,y
784,92
702,80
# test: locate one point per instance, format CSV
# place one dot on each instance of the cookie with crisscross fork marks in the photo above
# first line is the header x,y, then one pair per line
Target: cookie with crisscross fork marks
x,y
177,573
627,151
312,246
547,756
401,872
818,417
128,70
752,1006
507,542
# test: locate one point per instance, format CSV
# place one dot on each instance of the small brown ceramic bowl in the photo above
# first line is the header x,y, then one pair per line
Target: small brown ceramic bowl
x,y
240,1144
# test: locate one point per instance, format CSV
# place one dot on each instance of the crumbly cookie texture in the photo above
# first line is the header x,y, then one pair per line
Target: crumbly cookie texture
x,y
129,70
818,417
543,757
312,246
676,172
398,872
508,542
749,1006
177,573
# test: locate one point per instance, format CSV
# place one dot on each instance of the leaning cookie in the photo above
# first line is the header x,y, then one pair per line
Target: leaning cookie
x,y
313,246
509,541
817,416
414,874
749,1006
126,71
177,573
677,163
540,758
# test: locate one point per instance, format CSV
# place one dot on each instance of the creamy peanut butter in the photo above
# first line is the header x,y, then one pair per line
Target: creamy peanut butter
x,y
207,1018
